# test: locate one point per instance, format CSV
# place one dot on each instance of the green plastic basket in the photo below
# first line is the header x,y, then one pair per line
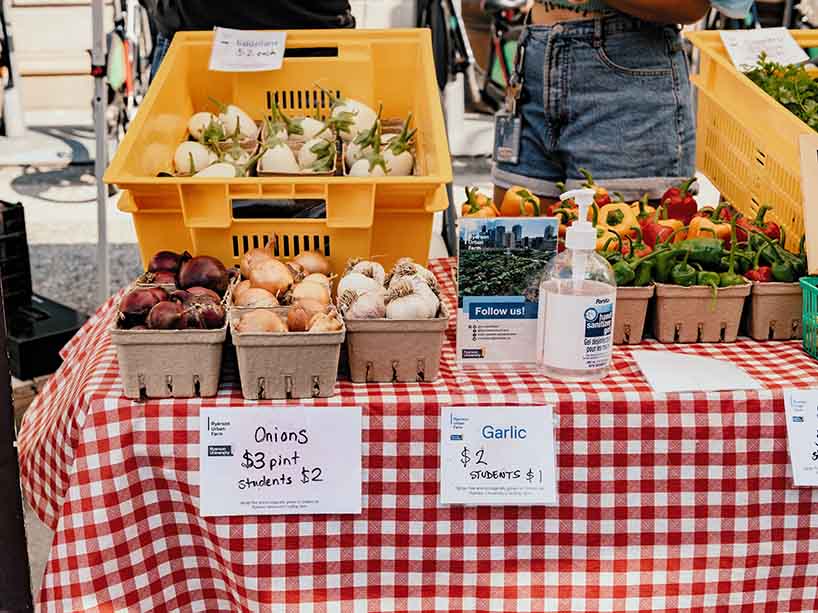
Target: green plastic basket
x,y
810,315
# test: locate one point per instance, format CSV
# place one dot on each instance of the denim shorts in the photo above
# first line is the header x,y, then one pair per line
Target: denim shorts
x,y
611,95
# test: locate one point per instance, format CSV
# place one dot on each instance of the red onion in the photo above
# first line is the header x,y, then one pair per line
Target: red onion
x,y
164,277
168,261
159,293
165,316
203,291
204,271
192,319
212,315
180,296
136,305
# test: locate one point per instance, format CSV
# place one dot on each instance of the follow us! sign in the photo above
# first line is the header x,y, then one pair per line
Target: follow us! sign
x,y
497,456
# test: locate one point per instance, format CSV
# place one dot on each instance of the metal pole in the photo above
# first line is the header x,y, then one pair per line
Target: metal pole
x,y
101,157
12,106
15,576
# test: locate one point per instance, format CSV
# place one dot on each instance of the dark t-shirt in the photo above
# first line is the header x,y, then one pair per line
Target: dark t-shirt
x,y
173,15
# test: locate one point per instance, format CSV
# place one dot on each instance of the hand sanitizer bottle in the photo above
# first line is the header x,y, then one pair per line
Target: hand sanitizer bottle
x,y
577,302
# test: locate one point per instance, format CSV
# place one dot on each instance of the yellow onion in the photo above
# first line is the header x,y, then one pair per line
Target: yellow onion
x,y
271,275
260,321
256,297
311,291
297,319
317,277
312,262
240,289
322,322
253,258
312,307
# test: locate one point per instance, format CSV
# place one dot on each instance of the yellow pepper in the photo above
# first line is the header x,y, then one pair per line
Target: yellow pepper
x,y
617,216
603,238
705,228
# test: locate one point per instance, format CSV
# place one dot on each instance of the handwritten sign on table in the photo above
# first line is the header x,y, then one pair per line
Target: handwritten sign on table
x,y
247,50
744,47
279,461
801,411
497,456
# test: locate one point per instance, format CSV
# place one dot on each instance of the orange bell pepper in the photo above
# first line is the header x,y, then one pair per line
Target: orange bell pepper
x,y
476,201
519,202
706,228
487,212
617,216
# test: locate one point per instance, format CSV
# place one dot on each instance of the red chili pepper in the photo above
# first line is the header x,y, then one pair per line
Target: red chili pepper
x,y
639,247
602,197
762,274
680,202
653,232
771,229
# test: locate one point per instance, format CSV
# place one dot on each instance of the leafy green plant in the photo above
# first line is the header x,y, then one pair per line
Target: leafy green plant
x,y
792,86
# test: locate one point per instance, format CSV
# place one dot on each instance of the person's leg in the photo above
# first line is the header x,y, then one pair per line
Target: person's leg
x,y
629,116
537,169
160,49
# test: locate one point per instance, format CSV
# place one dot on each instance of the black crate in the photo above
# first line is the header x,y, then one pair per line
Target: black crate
x,y
36,335
12,218
13,246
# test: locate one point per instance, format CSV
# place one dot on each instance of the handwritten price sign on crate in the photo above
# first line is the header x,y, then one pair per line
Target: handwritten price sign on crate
x,y
497,456
268,461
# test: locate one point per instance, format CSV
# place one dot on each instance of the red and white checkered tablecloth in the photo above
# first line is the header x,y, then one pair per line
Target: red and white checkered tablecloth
x,y
679,502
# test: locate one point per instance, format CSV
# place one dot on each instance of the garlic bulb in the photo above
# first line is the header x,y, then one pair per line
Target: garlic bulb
x,y
405,267
411,299
357,282
367,268
366,305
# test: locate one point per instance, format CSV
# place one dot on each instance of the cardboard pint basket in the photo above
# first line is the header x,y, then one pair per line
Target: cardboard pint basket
x,y
630,315
169,363
774,311
286,365
390,350
691,315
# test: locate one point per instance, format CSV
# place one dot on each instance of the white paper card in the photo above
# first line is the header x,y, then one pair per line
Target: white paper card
x,y
675,372
744,47
801,409
497,456
247,50
279,461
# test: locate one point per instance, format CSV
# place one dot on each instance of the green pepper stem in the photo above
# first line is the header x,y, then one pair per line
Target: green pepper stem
x,y
762,212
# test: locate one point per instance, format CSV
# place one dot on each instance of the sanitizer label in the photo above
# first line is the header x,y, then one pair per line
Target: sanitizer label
x,y
578,332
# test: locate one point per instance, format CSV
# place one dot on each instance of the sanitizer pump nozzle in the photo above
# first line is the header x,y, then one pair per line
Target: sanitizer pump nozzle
x,y
581,235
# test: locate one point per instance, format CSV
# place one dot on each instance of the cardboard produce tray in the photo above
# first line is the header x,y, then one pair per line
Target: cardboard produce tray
x,y
284,365
688,314
631,312
774,311
169,363
391,350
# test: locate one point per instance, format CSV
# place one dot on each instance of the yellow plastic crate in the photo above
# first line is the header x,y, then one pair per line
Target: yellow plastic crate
x,y
388,217
747,143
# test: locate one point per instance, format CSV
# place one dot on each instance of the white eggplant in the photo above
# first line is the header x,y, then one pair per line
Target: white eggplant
x,y
198,123
398,152
355,152
220,169
399,165
363,168
314,128
279,158
191,157
352,117
233,117
312,151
